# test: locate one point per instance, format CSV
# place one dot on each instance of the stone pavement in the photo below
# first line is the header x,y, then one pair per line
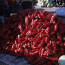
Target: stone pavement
x,y
6,59
48,9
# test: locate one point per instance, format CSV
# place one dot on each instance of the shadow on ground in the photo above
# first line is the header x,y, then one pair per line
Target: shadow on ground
x,y
2,63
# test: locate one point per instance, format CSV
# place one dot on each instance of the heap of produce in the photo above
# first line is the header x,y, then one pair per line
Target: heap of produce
x,y
39,37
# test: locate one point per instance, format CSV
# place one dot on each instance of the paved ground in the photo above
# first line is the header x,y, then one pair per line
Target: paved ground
x,y
6,59
2,63
49,9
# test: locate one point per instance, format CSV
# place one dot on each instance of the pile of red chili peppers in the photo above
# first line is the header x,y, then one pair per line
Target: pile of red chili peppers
x,y
37,36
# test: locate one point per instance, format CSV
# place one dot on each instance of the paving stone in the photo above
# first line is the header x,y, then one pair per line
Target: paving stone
x,y
11,64
17,61
7,58
1,55
23,63
12,60
3,63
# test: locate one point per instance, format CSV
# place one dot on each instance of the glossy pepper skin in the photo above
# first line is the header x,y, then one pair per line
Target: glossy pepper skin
x,y
39,37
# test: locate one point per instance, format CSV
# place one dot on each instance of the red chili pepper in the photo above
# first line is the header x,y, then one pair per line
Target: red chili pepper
x,y
47,30
25,30
59,36
52,33
39,16
46,24
48,45
26,39
53,20
46,53
32,53
20,27
36,61
36,36
62,50
49,16
41,12
34,22
47,39
54,46
41,52
42,43
26,21
45,13
55,27
53,58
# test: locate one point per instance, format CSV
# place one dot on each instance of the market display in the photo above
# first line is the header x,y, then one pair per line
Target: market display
x,y
39,37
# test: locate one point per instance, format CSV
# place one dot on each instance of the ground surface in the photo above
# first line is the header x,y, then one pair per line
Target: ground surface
x,y
6,59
